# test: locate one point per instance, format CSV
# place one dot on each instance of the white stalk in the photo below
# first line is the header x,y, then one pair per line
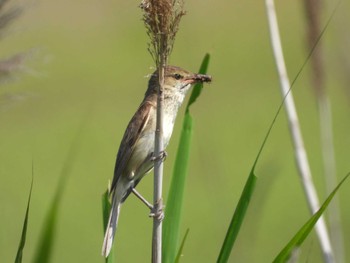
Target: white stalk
x,y
294,127
158,172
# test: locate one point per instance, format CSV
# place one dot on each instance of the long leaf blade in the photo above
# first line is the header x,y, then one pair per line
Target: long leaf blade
x,y
173,208
24,229
305,230
197,89
47,237
237,218
173,211
229,242
179,253
106,207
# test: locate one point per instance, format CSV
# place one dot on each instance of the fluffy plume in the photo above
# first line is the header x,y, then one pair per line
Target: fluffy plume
x,y
162,19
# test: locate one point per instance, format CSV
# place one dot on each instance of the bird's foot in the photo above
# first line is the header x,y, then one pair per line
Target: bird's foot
x,y
157,211
161,157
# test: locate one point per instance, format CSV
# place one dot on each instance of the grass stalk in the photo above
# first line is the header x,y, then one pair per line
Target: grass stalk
x,y
294,126
334,217
313,10
161,18
288,251
158,172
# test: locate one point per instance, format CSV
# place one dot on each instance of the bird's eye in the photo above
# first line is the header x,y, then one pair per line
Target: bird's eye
x,y
177,76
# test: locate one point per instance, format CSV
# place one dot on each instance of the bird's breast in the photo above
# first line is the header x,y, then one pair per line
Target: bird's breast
x,y
168,125
171,107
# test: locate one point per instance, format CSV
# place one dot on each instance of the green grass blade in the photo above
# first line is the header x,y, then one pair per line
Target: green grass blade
x,y
179,253
243,203
24,229
106,207
249,187
305,230
44,248
47,237
237,218
197,89
173,208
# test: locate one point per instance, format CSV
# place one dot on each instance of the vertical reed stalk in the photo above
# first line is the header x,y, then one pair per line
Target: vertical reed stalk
x,y
161,18
313,14
158,174
298,143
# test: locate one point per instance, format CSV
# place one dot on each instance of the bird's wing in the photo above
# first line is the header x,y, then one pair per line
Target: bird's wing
x,y
131,135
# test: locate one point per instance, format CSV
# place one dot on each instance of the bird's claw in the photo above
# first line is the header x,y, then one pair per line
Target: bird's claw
x,y
158,214
161,157
158,210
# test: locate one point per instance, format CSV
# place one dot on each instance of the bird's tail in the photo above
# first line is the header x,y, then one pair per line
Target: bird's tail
x,y
112,225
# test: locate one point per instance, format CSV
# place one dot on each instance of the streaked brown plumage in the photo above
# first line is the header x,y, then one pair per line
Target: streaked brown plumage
x,y
135,153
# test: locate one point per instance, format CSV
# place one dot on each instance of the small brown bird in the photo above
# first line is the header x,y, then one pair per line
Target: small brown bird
x,y
136,152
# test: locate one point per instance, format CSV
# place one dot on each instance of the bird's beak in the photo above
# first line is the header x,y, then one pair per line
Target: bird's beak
x,y
198,78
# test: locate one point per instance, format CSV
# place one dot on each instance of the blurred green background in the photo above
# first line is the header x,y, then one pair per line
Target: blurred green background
x,y
88,66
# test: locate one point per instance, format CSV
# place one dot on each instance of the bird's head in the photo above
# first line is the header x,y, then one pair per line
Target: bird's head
x,y
177,80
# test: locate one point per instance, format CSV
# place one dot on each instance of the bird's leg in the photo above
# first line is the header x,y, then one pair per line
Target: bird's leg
x,y
159,214
162,156
143,200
